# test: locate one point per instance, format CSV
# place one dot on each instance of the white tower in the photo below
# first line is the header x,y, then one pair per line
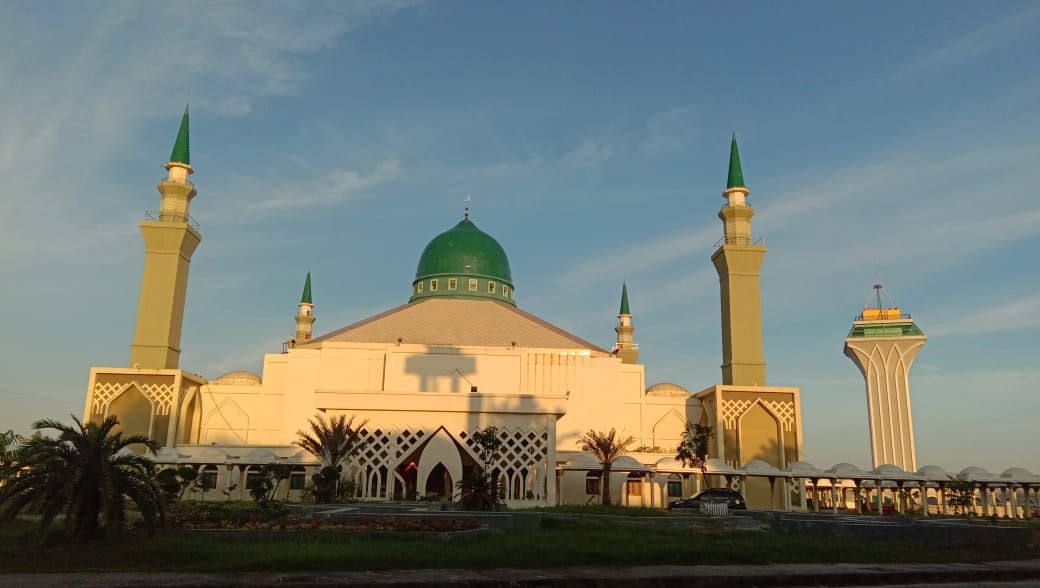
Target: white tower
x,y
883,343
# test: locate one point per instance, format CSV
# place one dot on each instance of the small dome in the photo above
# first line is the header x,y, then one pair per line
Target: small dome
x,y
463,262
238,377
667,389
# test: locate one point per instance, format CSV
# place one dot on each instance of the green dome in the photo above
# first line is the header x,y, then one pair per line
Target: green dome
x,y
464,262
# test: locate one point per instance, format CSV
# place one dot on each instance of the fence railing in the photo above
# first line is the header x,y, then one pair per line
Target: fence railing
x,y
171,217
738,240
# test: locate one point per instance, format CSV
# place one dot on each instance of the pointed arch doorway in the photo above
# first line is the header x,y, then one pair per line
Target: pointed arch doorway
x,y
439,483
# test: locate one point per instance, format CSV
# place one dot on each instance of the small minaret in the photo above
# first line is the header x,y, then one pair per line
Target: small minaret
x,y
883,343
170,240
625,348
305,316
738,260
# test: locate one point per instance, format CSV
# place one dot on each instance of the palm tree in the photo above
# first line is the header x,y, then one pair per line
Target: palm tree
x,y
85,475
332,441
606,447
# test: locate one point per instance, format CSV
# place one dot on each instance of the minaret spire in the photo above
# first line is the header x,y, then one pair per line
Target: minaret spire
x,y
736,174
624,347
305,315
738,261
181,150
164,284
306,298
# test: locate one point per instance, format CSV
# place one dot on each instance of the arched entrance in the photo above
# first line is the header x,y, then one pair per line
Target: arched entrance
x,y
439,484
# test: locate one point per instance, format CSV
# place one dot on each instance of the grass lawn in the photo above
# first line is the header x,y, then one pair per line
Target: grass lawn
x,y
555,545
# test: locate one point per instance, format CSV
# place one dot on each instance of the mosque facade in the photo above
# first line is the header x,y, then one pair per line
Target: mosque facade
x,y
459,354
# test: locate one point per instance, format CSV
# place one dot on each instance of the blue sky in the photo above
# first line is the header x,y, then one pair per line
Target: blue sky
x,y
593,138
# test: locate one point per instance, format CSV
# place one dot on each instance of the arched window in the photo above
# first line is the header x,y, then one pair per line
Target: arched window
x,y
592,485
208,477
634,485
252,475
674,486
298,478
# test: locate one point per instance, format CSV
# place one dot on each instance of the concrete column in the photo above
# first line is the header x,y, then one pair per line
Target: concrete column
x,y
857,490
834,496
816,495
924,499
552,496
1027,512
985,501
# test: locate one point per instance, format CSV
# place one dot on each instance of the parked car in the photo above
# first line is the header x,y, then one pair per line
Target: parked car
x,y
731,497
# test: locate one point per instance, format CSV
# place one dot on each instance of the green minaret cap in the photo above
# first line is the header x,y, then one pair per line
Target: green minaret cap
x,y
736,175
306,298
181,153
624,300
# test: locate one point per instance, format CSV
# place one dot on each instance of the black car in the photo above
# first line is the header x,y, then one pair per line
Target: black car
x,y
731,497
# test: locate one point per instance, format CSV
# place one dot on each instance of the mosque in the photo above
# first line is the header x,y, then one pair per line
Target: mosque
x,y
459,355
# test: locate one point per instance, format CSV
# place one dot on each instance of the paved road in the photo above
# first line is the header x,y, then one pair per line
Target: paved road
x,y
1023,573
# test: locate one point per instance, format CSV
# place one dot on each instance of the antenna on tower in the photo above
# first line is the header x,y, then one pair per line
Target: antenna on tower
x,y
877,285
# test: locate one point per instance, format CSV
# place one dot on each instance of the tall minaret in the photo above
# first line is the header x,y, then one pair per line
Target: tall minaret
x,y
737,261
170,240
625,348
883,343
305,316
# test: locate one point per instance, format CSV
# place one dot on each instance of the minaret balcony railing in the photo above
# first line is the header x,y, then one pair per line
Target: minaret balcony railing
x,y
737,240
169,180
620,346
171,217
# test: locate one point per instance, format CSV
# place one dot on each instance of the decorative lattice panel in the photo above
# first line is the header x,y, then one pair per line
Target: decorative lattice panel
x,y
732,410
520,447
784,409
377,448
161,395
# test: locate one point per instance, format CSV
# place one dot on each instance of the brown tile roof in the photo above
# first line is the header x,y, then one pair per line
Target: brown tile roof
x,y
452,321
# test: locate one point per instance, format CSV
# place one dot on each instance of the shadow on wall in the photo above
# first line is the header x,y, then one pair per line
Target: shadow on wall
x,y
442,369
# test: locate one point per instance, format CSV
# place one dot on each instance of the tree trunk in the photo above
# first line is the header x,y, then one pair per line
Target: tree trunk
x,y
606,486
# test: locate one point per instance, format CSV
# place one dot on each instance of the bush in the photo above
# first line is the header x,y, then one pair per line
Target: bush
x,y
195,514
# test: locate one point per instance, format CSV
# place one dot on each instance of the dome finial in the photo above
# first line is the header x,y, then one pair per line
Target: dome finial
x,y
466,200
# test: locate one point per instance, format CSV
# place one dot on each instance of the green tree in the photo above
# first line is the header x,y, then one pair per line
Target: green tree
x,y
332,441
176,481
480,490
85,474
693,447
960,493
606,447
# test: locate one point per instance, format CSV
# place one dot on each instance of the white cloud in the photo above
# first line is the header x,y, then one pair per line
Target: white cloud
x,y
996,316
589,153
978,42
669,131
337,186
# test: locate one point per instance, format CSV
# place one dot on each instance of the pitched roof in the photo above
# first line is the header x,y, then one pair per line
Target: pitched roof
x,y
452,321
